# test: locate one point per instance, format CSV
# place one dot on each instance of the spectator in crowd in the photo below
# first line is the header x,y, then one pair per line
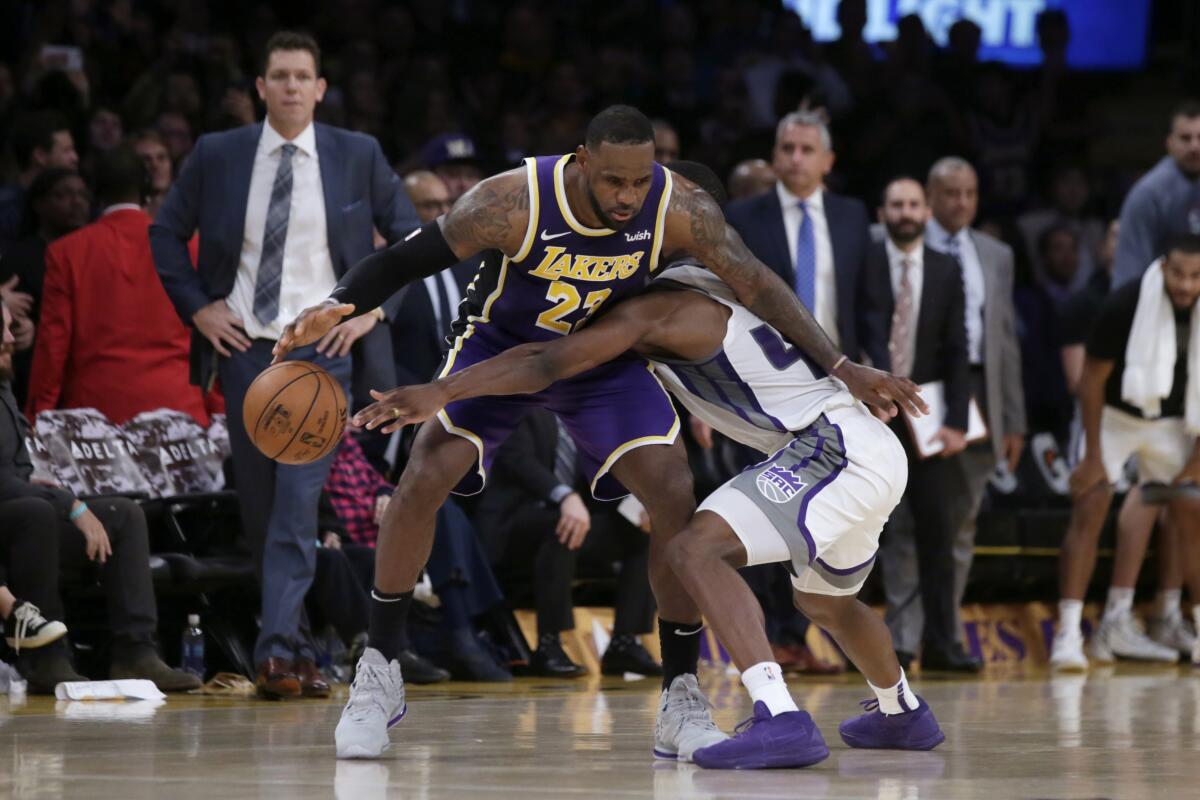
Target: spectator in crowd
x,y
457,567
315,194
1069,197
128,354
538,526
825,233
24,551
105,130
1135,401
107,538
749,178
666,142
150,146
176,132
1165,202
61,203
1039,306
454,158
993,352
912,323
1003,132
41,141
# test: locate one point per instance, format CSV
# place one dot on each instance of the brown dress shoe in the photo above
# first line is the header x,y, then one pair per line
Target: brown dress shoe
x,y
804,661
277,680
312,682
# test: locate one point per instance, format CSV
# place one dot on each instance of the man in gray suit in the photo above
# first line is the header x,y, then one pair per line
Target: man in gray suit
x,y
995,367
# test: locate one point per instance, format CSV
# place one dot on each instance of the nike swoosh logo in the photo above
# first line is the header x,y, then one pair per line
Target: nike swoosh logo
x,y
689,633
547,236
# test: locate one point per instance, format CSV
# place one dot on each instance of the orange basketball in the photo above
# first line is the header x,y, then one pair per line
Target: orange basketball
x,y
294,412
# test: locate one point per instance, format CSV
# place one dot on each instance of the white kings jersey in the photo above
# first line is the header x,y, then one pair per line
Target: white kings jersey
x,y
757,389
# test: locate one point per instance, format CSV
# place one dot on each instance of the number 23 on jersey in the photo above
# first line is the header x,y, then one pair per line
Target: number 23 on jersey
x,y
567,301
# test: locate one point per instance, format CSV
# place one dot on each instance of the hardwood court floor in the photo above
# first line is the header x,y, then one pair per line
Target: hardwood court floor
x,y
1128,733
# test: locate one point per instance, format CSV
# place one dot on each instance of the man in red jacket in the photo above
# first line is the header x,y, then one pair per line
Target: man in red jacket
x,y
108,337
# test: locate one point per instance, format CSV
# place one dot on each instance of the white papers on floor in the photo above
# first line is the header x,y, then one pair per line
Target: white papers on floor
x,y
129,689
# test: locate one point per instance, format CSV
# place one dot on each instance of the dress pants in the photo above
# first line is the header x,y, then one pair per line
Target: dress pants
x,y
917,553
34,559
278,505
964,494
530,537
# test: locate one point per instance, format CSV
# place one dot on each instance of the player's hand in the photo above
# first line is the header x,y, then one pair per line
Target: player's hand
x,y
882,390
98,546
222,328
337,342
574,521
953,441
405,405
702,432
331,540
20,304
309,326
1087,475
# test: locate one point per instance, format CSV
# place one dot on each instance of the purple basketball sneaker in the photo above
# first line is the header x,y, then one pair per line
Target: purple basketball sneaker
x,y
790,739
912,730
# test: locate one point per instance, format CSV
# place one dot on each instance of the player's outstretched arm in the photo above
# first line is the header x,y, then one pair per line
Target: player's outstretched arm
x,y
696,224
523,369
494,214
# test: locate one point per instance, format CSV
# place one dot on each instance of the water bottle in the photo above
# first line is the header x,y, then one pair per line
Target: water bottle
x,y
193,647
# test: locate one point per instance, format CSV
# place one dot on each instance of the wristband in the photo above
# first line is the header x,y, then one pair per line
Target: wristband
x,y
77,512
838,363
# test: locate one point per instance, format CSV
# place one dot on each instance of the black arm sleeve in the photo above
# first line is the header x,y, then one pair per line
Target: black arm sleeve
x,y
370,282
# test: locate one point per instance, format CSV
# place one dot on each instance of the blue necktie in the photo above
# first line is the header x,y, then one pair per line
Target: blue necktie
x,y
806,261
270,265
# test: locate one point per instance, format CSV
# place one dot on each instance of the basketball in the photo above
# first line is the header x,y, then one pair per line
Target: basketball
x,y
294,412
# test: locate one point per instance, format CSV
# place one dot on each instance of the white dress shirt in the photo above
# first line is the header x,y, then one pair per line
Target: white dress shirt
x,y
453,297
825,296
308,275
973,285
916,280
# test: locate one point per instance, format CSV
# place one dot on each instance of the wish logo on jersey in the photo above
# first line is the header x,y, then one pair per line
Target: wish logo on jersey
x,y
779,484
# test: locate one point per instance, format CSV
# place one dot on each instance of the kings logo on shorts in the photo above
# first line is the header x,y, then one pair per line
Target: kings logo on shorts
x,y
779,484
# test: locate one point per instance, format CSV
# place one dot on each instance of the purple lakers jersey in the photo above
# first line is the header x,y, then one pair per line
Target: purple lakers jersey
x,y
565,272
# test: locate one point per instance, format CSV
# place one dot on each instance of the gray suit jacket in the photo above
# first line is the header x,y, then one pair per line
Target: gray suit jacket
x,y
1001,351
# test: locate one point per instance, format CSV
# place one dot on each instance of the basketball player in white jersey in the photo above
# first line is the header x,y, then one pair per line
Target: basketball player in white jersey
x,y
817,503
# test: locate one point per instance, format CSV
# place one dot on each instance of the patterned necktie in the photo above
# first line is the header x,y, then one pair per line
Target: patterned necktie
x,y
270,265
902,318
806,260
564,455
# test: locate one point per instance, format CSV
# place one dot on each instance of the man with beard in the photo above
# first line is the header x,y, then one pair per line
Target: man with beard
x,y
913,326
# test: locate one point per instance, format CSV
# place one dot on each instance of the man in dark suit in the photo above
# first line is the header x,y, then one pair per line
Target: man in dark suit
x,y
533,514
814,239
283,209
429,307
912,325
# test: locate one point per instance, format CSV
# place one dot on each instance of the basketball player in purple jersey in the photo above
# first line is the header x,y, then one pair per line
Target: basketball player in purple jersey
x,y
832,475
576,232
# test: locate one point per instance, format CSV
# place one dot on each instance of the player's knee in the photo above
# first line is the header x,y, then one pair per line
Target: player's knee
x,y
698,546
825,611
672,501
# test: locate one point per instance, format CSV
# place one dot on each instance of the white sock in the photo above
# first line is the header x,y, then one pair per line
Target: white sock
x,y
765,683
896,699
1070,616
1196,616
1120,602
1168,603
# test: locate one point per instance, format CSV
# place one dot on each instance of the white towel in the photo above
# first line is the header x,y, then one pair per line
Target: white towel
x,y
1151,349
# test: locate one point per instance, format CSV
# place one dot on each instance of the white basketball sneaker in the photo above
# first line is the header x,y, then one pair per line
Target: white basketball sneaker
x,y
684,724
1122,637
1066,653
1173,632
376,704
